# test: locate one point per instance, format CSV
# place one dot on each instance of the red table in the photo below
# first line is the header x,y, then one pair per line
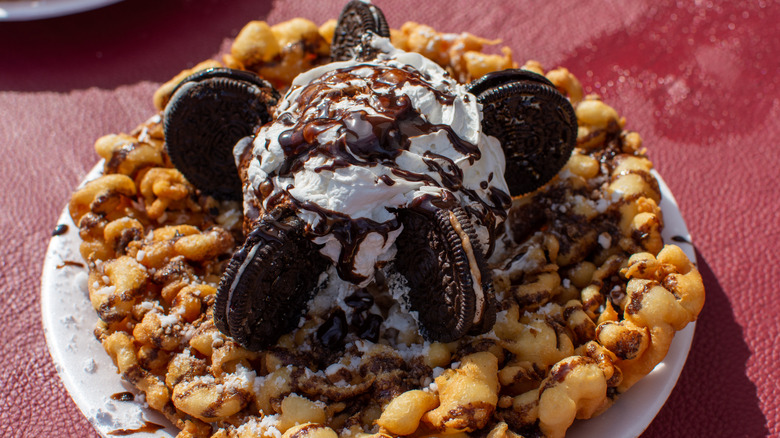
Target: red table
x,y
699,80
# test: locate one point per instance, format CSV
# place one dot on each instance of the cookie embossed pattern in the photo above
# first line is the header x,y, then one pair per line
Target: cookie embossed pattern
x,y
584,301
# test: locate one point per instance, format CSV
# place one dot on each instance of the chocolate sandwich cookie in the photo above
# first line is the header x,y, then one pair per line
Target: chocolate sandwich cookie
x,y
356,19
268,282
441,258
208,113
536,125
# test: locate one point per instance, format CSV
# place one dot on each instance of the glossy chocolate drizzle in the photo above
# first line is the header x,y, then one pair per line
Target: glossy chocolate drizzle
x,y
350,232
363,139
148,427
371,124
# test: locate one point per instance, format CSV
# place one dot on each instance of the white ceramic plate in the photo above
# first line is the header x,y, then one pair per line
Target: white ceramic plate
x,y
24,10
91,378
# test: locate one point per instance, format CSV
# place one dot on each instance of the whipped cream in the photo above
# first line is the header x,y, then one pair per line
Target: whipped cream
x,y
352,142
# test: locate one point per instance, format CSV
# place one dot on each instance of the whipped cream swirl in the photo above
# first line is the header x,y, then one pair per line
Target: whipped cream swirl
x,y
353,142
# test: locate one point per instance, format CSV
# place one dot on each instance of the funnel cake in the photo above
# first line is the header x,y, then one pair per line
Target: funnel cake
x,y
587,296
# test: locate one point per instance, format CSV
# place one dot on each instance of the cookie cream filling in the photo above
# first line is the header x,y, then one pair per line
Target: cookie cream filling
x,y
476,276
353,142
240,273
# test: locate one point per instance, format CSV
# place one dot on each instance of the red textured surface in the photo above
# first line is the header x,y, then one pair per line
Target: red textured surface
x,y
699,80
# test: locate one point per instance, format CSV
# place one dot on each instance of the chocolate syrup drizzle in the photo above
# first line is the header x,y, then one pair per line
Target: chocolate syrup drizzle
x,y
350,232
373,138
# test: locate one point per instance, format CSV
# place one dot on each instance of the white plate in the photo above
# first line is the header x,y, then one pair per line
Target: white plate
x,y
91,378
24,10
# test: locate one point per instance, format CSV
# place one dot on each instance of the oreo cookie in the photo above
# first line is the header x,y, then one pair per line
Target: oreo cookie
x,y
207,114
355,21
268,282
535,123
503,77
450,286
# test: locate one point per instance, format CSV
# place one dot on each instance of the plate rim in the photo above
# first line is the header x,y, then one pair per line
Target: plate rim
x,y
40,9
